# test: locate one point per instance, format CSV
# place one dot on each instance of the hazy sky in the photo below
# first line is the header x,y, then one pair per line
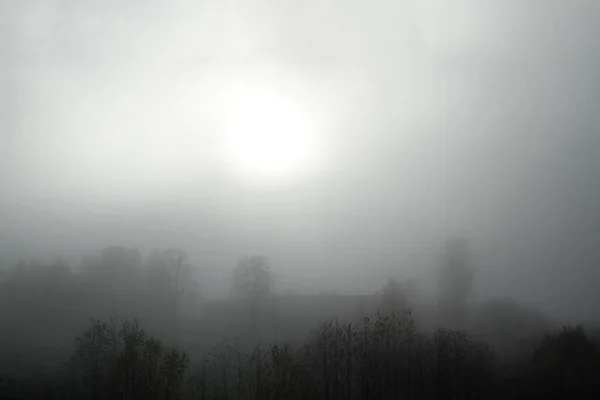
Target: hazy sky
x,y
432,118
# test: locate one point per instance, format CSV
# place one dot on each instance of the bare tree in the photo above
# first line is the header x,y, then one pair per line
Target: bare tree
x,y
253,281
172,287
179,267
172,275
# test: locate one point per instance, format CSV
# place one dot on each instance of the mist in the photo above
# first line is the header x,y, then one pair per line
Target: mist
x,y
430,121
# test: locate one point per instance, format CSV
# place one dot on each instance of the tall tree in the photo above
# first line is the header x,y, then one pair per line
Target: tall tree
x,y
393,297
171,275
252,282
180,271
172,289
455,280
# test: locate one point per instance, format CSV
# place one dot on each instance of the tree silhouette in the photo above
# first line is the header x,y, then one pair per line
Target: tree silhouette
x,y
252,278
170,275
252,282
455,279
393,297
125,363
566,364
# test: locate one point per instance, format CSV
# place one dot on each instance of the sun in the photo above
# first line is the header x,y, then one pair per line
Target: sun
x,y
266,133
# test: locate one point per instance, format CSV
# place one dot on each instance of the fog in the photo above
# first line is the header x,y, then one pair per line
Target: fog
x,y
475,119
299,199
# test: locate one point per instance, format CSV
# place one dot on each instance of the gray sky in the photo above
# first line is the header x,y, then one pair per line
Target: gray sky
x,y
473,118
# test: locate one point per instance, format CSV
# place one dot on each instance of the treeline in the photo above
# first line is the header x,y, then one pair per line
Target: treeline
x,y
383,357
496,349
115,279
43,306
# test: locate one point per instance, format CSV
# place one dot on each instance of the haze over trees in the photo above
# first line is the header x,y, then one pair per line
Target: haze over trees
x,y
299,200
455,279
253,282
151,336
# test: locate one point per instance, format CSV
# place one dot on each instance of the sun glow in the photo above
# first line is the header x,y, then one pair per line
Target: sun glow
x,y
267,134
